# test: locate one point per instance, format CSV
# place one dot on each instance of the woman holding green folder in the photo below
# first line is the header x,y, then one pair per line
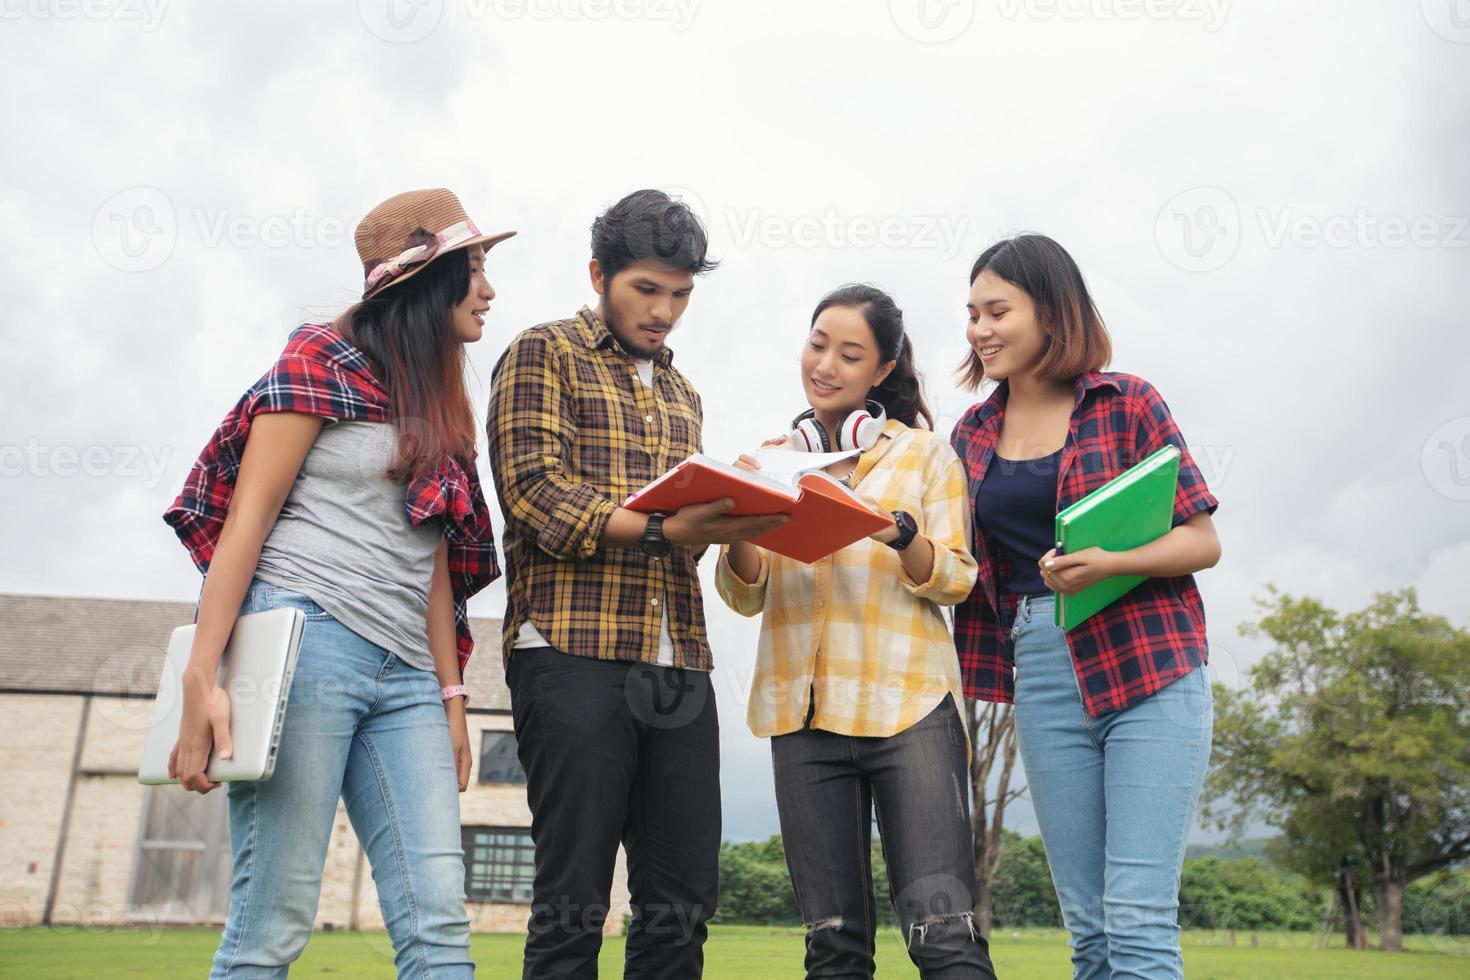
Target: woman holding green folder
x,y
1113,716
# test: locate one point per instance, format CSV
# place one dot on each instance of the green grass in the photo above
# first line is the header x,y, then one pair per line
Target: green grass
x,y
733,953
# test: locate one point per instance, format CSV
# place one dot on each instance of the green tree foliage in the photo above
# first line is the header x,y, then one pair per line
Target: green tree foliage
x,y
1353,736
1246,894
1023,892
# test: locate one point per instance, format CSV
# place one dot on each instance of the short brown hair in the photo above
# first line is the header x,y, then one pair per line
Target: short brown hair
x,y
1076,339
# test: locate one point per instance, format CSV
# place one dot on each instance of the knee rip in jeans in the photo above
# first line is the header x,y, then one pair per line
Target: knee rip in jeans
x,y
831,922
923,925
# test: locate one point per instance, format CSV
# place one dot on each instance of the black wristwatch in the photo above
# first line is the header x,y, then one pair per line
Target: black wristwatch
x,y
907,528
653,542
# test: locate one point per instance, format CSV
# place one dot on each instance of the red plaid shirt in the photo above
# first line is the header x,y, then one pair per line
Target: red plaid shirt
x,y
321,373
1153,635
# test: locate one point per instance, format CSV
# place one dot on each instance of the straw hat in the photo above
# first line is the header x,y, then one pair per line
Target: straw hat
x,y
401,236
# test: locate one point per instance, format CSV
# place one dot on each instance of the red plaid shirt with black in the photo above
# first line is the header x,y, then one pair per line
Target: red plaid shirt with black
x,y
1153,635
321,373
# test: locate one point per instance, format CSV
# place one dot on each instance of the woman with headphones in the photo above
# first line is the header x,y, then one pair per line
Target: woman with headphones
x,y
856,679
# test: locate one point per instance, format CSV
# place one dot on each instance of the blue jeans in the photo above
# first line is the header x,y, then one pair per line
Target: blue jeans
x,y
1115,796
364,726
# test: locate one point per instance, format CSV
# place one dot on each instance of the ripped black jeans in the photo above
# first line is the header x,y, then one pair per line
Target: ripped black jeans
x,y
827,787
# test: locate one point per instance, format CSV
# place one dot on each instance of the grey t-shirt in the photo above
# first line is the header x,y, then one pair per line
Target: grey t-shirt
x,y
343,539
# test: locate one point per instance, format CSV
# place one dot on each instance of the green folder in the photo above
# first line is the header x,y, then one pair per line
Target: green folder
x,y
1128,511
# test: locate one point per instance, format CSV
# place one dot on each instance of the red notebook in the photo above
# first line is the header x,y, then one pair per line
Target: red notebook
x,y
825,515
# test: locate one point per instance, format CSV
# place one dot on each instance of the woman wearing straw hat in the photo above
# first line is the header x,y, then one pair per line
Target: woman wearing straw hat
x,y
343,484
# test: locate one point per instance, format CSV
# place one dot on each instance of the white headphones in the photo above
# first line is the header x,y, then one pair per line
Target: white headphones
x,y
859,430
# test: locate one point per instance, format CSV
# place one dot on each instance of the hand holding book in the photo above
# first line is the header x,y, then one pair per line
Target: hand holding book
x,y
825,514
698,525
1071,573
752,464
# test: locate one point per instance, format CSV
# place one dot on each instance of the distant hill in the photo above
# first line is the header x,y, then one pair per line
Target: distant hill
x,y
1250,847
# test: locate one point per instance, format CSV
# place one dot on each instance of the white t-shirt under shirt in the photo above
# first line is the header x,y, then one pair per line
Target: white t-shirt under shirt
x,y
530,636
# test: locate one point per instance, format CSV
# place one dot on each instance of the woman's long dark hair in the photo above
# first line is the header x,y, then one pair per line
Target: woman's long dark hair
x,y
901,393
408,332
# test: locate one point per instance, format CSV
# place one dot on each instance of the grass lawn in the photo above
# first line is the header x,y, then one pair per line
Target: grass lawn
x,y
733,953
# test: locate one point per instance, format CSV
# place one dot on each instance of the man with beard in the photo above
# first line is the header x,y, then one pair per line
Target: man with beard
x,y
606,654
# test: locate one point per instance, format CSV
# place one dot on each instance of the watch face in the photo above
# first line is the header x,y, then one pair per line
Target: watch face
x,y
653,543
907,529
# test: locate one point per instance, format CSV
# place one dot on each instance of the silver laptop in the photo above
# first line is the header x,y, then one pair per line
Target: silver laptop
x,y
256,670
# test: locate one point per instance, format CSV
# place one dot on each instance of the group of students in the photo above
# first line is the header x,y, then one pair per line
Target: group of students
x,y
344,484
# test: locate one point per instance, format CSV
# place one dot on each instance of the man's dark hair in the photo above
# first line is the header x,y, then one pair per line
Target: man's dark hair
x,y
650,226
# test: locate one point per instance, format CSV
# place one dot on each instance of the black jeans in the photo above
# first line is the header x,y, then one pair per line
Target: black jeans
x,y
827,786
618,752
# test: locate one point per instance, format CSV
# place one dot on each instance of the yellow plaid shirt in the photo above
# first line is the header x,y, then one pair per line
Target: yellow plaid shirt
x,y
852,635
572,432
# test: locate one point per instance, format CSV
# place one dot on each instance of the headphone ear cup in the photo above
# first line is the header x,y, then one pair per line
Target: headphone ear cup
x,y
808,435
868,432
861,429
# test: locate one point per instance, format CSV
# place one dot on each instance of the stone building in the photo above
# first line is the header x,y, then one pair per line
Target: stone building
x,y
82,842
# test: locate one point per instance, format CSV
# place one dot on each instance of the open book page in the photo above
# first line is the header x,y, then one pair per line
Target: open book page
x,y
788,466
835,487
678,476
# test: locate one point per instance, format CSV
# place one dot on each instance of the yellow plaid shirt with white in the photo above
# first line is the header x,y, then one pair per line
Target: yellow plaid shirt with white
x,y
852,635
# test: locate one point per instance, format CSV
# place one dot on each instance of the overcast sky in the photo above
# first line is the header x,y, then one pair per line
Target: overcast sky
x,y
1270,205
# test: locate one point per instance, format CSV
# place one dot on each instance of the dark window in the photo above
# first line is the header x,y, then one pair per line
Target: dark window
x,y
499,864
498,762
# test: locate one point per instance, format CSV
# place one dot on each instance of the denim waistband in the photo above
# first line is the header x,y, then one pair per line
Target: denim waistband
x,y
1026,603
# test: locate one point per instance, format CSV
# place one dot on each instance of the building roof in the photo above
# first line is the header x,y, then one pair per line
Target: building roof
x,y
115,647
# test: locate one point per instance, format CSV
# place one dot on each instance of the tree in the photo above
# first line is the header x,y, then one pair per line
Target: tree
x,y
992,728
755,886
1353,736
1022,892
